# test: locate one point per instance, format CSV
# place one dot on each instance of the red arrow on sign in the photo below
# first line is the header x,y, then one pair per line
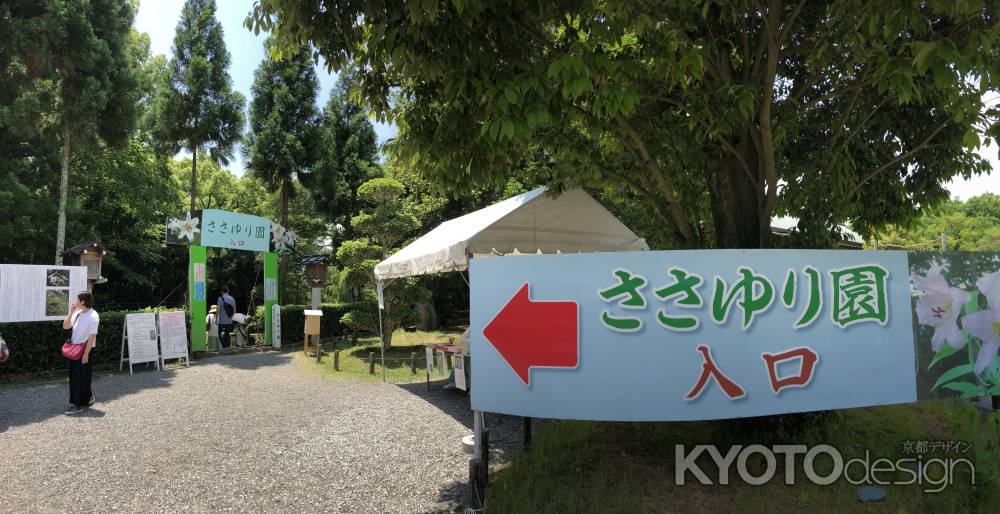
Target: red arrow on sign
x,y
530,334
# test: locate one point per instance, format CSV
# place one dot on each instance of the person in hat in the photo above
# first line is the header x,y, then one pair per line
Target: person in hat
x,y
212,326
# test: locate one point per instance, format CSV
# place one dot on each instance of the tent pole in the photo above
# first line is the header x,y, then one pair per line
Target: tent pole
x,y
381,336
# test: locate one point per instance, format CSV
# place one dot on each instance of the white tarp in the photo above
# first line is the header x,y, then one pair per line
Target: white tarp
x,y
528,223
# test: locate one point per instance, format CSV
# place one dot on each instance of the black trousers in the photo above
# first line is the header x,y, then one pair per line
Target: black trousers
x,y
225,333
79,382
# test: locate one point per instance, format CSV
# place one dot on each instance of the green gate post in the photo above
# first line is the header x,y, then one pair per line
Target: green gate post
x,y
198,294
270,293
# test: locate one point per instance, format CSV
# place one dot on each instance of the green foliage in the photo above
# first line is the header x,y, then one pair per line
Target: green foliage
x,y
283,139
293,321
386,221
129,187
968,226
37,346
844,111
195,107
348,156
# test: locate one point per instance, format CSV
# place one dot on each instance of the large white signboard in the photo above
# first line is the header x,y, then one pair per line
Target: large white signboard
x,y
38,293
141,335
173,335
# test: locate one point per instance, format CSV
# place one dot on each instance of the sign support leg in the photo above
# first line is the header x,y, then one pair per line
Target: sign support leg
x,y
479,466
270,293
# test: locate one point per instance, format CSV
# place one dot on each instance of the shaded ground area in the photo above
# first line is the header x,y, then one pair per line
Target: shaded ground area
x,y
248,432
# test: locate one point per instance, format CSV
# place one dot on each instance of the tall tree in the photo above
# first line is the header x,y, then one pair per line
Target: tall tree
x,y
283,137
835,111
195,107
89,48
348,155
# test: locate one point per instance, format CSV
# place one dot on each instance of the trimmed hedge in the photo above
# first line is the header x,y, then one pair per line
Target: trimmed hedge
x,y
36,346
293,321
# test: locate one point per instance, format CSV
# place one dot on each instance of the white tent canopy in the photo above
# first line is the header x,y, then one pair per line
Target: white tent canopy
x,y
528,223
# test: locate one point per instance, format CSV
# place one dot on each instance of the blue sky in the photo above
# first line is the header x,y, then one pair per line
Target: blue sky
x,y
158,18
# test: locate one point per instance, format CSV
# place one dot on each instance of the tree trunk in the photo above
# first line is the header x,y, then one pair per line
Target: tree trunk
x,y
735,199
63,193
428,315
194,176
282,261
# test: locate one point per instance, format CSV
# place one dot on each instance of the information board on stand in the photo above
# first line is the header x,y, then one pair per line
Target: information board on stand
x,y
173,336
140,334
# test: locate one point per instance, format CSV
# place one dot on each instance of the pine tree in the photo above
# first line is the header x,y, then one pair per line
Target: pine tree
x,y
348,156
284,128
384,222
282,141
195,107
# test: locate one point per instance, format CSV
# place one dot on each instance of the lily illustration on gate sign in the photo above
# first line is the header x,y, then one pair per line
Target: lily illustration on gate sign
x,y
184,229
945,308
940,307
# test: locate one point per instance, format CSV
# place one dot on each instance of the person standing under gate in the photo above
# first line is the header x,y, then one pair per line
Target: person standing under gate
x,y
212,326
227,308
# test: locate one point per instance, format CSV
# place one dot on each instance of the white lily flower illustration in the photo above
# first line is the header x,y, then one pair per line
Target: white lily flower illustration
x,y
278,234
940,307
290,238
938,267
986,326
990,287
187,228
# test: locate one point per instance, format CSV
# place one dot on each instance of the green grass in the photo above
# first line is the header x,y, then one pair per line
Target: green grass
x,y
354,359
579,467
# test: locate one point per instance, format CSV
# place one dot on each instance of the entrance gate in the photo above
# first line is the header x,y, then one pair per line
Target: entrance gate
x,y
223,229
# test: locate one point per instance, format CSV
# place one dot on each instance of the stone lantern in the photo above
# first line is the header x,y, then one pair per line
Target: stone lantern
x,y
90,254
316,269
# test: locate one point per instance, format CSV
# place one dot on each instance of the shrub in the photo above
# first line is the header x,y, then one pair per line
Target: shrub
x,y
36,346
293,321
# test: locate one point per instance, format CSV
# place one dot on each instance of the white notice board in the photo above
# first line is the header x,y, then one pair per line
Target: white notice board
x,y
173,335
460,371
38,293
140,331
429,353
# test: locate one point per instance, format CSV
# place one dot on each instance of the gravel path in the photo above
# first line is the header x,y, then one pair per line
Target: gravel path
x,y
250,432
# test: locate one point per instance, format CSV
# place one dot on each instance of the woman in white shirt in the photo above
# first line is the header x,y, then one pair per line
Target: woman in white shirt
x,y
83,319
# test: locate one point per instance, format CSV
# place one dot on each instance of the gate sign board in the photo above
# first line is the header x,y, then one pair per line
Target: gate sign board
x,y
691,335
224,229
38,293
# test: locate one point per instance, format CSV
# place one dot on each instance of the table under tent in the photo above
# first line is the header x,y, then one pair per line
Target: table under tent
x,y
530,223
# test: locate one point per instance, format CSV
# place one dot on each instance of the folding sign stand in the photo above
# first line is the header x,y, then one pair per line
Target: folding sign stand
x,y
173,337
140,332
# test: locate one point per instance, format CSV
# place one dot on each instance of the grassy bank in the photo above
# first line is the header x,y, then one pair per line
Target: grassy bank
x,y
629,467
354,358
